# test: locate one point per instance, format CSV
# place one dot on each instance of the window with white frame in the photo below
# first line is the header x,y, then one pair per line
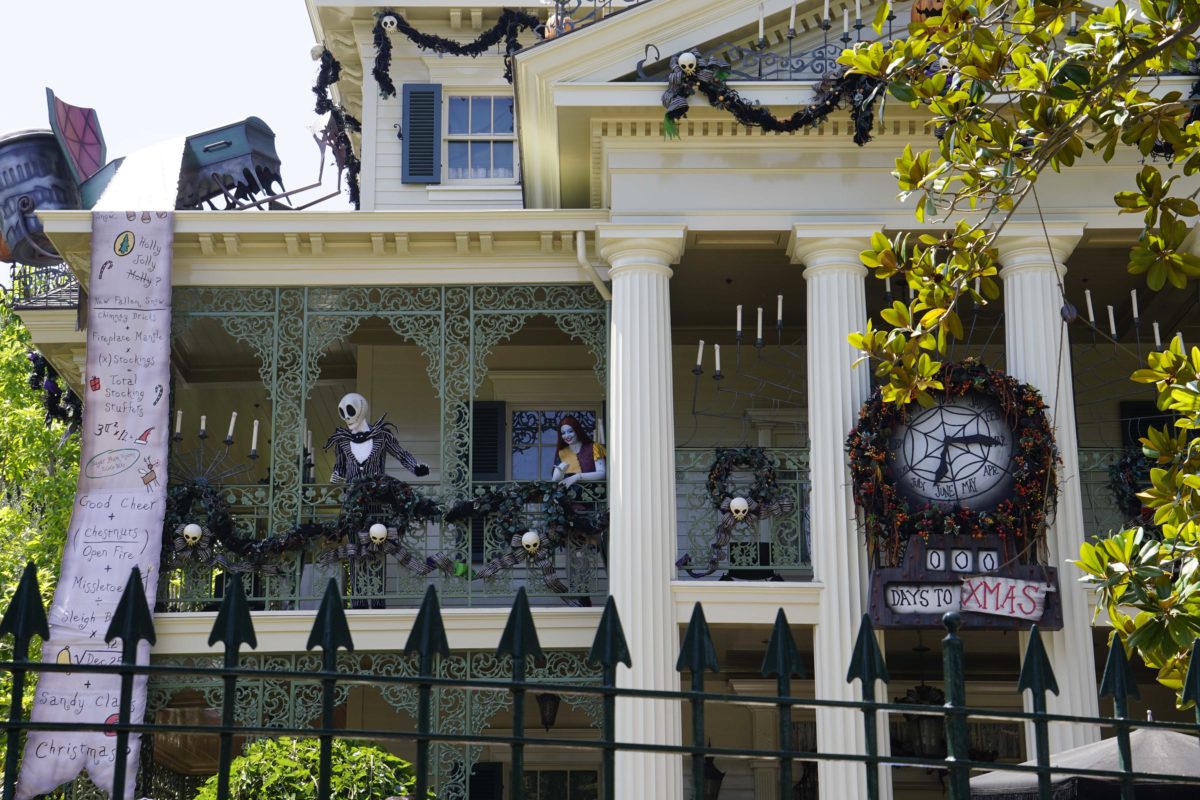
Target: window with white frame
x,y
480,142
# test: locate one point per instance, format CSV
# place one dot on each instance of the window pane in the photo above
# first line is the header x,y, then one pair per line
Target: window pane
x,y
502,115
584,786
481,115
531,785
460,114
552,785
458,167
481,159
502,160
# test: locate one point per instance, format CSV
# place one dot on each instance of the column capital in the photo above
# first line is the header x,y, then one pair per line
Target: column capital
x,y
1027,245
825,247
653,247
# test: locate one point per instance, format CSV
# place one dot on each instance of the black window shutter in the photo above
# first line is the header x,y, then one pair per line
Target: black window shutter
x,y
487,441
422,126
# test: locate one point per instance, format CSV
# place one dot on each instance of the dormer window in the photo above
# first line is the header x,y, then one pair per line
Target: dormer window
x,y
480,143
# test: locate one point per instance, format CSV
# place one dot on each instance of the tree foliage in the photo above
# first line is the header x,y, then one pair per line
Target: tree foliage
x,y
38,470
286,769
1010,89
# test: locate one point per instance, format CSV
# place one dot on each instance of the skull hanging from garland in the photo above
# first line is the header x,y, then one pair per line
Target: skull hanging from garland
x,y
687,63
193,542
532,542
739,507
378,534
389,22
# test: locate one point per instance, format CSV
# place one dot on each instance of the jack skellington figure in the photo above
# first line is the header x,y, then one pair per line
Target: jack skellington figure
x,y
361,448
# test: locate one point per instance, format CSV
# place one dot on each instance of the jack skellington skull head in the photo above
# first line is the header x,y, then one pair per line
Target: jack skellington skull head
x,y
739,507
378,533
687,62
192,534
531,541
353,409
389,22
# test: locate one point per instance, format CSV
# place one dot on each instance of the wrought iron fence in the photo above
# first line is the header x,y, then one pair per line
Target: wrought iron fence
x,y
776,548
1100,511
54,287
427,645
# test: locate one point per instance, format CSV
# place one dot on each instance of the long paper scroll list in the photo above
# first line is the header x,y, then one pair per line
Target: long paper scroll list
x,y
120,500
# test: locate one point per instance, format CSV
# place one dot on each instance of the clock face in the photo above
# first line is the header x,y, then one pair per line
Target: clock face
x,y
957,453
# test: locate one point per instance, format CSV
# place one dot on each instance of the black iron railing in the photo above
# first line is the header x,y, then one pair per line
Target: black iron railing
x,y
54,287
427,643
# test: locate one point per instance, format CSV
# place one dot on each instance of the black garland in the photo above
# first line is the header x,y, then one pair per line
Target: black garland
x,y
61,405
400,505
1127,476
329,74
764,491
891,520
507,29
860,92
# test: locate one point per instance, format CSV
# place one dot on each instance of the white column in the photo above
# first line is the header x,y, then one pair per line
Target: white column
x,y
641,496
1038,352
836,391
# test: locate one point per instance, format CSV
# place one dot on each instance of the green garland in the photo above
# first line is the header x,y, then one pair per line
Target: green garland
x,y
402,505
764,490
1127,476
891,520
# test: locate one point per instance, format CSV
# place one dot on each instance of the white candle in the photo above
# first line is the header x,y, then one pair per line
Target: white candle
x,y
779,308
308,441
1157,338
857,10
1074,27
254,436
846,21
178,422
792,18
717,354
1087,295
887,284
700,353
760,22
739,319
1112,323
977,286
232,422
203,423
758,333
826,16
1179,338
600,430
911,293
1133,296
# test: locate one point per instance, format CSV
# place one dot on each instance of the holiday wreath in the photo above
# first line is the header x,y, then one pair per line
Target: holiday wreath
x,y
891,518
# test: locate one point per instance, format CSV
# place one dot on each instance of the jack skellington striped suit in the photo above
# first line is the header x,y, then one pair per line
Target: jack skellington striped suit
x,y
382,435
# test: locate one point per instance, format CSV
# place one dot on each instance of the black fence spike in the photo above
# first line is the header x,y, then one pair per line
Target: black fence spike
x,y
25,616
698,652
1118,681
233,626
866,663
609,647
1191,682
782,658
330,629
520,639
132,622
428,636
1037,673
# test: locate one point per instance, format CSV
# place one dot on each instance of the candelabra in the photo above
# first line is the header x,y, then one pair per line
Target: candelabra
x,y
202,463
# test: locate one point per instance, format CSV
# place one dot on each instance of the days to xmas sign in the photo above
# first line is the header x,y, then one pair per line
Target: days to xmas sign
x,y
972,576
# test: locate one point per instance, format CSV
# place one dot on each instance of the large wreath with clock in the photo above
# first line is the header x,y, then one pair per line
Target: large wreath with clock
x,y
979,461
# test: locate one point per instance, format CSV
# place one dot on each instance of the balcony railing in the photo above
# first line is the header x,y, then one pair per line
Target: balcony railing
x,y
1100,511
296,580
771,549
53,287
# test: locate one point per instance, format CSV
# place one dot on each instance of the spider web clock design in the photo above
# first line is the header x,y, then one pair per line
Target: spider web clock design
x,y
958,453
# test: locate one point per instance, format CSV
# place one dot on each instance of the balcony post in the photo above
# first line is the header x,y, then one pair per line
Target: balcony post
x,y
641,491
1033,265
836,307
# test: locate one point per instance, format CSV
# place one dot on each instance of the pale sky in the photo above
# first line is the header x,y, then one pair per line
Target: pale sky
x,y
155,69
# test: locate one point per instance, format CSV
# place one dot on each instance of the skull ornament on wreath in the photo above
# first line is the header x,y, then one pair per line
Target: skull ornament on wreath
x,y
531,541
389,23
687,63
739,507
